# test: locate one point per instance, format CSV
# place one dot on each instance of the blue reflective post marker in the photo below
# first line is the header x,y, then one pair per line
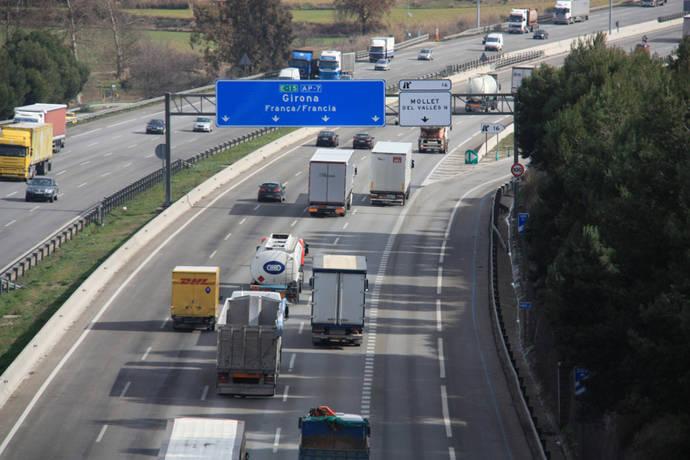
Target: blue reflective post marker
x,y
300,103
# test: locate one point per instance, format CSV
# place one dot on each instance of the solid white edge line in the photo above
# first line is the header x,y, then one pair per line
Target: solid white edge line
x,y
439,280
439,321
441,359
451,453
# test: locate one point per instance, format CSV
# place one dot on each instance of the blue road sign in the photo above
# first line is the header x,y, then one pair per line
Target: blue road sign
x,y
300,103
580,374
523,217
525,305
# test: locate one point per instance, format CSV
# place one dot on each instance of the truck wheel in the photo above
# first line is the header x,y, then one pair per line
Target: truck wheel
x,y
51,199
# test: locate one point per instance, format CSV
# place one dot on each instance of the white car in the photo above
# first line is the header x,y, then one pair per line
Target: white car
x,y
425,54
203,124
494,42
382,64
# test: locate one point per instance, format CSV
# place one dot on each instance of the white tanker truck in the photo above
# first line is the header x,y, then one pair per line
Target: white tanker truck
x,y
278,265
481,89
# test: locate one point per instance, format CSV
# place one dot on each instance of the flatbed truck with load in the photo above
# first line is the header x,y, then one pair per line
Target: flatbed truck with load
x,y
204,438
55,114
195,296
433,138
250,329
338,285
331,178
327,435
391,173
25,150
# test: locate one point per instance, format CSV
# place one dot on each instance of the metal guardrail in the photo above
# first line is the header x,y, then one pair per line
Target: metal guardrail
x,y
671,17
97,212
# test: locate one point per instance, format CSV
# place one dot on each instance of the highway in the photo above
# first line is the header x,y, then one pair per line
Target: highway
x,y
103,156
427,373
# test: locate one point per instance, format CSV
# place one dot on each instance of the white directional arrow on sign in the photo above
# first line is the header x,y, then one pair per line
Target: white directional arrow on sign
x,y
325,118
275,118
226,118
375,118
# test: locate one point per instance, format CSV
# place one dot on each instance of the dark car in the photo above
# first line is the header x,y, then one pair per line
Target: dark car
x,y
540,34
42,188
272,191
363,141
155,126
327,138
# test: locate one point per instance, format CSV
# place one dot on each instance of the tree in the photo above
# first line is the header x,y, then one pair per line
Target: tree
x,y
37,67
230,29
367,12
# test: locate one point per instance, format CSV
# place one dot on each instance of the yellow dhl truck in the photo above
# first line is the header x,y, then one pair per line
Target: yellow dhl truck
x,y
195,296
26,149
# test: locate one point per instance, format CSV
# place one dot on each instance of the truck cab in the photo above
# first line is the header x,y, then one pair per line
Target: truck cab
x,y
330,65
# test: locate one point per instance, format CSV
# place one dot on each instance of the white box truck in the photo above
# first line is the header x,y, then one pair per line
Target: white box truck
x,y
569,11
331,178
338,285
204,438
391,172
250,330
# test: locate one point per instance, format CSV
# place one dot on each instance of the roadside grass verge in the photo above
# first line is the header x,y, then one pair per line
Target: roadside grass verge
x,y
47,286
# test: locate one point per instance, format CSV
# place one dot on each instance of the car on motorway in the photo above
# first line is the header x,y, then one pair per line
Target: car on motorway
x,y
70,118
42,188
363,141
382,64
540,34
155,126
271,191
327,139
203,124
494,42
425,54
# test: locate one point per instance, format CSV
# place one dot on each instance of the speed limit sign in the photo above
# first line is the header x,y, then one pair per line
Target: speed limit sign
x,y
517,169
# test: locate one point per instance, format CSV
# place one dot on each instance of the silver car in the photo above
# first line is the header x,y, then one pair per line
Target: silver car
x,y
42,188
425,54
203,124
382,64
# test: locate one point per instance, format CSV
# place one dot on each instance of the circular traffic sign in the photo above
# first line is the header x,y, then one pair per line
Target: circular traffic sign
x,y
517,169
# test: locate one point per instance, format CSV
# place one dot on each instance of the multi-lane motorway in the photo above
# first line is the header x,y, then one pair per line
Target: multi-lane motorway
x,y
427,372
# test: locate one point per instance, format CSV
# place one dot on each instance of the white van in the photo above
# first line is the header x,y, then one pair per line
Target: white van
x,y
289,73
494,42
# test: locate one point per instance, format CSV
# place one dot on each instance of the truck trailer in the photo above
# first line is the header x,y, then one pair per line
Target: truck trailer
x,y
328,435
195,296
381,48
338,285
26,150
250,329
433,138
55,114
391,172
482,90
204,438
305,62
278,265
569,11
331,178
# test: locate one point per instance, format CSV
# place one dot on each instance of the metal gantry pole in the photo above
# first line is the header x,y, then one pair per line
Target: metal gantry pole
x,y
168,130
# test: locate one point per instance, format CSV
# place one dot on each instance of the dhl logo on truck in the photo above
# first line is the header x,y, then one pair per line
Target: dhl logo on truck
x,y
195,281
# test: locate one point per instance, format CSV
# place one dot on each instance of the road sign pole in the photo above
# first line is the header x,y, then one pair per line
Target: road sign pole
x,y
168,130
516,159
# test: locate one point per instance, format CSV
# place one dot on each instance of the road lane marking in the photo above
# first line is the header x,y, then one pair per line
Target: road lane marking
x,y
107,154
93,144
294,222
451,453
34,208
439,280
131,146
345,226
285,393
301,326
82,184
298,173
443,252
213,254
438,315
441,359
148,350
120,123
61,172
149,155
257,207
13,193
204,393
292,362
10,222
105,174
80,340
243,220
336,240
124,390
446,413
128,164
102,433
227,236
276,440
165,321
87,132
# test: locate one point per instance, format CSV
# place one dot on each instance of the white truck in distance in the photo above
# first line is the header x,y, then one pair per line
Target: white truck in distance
x,y
569,11
250,330
381,48
337,303
278,265
391,164
331,177
336,65
204,438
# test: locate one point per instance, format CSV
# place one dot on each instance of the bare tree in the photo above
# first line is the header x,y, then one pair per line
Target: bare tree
x,y
112,10
367,12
